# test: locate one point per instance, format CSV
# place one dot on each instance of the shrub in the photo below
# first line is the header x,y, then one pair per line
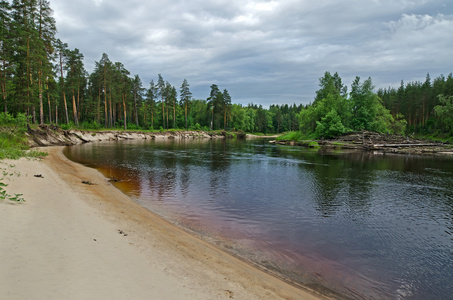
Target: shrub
x,y
67,126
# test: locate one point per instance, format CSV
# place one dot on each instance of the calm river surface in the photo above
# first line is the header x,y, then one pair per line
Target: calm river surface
x,y
359,225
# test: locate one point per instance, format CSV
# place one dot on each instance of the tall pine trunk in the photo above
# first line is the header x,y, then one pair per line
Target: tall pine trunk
x,y
185,113
174,114
74,108
62,84
124,109
50,109
163,113
135,108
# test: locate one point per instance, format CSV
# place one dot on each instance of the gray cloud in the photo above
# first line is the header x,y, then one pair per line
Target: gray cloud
x,y
263,51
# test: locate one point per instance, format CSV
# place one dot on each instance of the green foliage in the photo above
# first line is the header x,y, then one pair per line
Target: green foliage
x,y
295,136
444,112
131,126
67,95
68,126
12,137
333,113
89,125
4,195
17,198
330,126
314,144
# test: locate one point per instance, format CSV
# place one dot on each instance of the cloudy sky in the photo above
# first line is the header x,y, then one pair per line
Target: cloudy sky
x,y
265,52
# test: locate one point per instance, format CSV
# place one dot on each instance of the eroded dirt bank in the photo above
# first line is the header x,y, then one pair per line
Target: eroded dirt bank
x,y
54,136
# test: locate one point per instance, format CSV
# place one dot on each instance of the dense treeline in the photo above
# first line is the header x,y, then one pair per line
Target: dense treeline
x,y
426,105
46,80
415,108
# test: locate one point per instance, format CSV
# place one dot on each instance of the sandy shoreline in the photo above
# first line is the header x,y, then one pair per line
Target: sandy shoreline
x,y
70,240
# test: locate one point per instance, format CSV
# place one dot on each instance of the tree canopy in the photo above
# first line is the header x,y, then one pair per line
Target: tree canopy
x,y
45,79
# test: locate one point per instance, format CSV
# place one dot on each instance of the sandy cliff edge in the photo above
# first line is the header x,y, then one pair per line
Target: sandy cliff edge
x,y
71,240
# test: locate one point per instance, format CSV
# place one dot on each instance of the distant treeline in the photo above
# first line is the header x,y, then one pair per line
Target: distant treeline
x,y
47,81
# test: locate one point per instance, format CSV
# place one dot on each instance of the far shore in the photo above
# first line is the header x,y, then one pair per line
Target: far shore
x,y
78,237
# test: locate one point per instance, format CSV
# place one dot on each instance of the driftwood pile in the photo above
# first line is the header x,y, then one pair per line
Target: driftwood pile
x,y
373,141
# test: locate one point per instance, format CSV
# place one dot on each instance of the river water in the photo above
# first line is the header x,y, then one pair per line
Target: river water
x,y
355,225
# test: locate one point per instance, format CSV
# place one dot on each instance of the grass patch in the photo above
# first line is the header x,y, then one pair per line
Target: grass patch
x,y
444,138
295,136
15,147
314,145
13,142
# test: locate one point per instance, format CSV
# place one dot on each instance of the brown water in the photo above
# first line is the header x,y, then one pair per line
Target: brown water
x,y
359,225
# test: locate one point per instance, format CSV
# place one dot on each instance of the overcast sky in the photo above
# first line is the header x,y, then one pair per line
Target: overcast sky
x,y
265,52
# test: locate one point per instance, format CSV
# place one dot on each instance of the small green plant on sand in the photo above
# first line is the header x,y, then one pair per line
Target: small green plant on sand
x,y
4,195
17,198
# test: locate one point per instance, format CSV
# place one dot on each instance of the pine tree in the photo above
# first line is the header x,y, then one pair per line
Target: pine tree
x,y
226,102
6,66
137,90
161,91
213,101
186,96
44,49
75,79
150,97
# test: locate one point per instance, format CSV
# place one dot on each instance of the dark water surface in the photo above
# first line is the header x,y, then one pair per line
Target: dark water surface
x,y
363,226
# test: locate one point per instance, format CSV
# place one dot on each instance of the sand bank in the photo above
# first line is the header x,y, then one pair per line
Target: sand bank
x,y
71,240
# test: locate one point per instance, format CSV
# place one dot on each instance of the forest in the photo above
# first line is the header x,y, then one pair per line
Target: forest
x,y
45,80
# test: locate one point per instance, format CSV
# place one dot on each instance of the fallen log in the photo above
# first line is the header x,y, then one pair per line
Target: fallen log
x,y
403,145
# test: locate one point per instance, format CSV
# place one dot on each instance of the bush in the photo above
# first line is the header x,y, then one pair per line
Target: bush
x,y
13,142
91,125
197,126
314,145
131,126
67,126
295,136
330,126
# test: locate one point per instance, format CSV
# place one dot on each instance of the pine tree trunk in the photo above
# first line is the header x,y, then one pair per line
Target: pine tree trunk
x,y
41,104
185,113
124,109
66,107
4,89
163,113
34,114
50,109
4,97
79,109
144,115
105,111
212,118
62,83
135,107
110,111
98,112
105,98
74,108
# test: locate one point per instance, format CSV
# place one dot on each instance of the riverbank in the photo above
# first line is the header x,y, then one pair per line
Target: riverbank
x,y
375,143
77,237
45,136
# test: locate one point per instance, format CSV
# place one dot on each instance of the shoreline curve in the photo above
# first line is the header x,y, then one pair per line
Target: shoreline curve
x,y
72,240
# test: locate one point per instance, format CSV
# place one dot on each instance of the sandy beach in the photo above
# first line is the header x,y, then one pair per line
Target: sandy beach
x,y
71,240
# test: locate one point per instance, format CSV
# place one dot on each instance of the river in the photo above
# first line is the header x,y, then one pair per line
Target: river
x,y
358,225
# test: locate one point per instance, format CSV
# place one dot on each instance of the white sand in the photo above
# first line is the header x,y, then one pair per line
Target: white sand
x,y
64,243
